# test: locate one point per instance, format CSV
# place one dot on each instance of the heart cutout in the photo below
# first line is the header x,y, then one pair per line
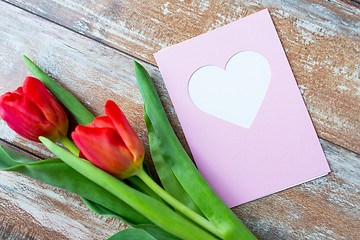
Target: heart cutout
x,y
235,93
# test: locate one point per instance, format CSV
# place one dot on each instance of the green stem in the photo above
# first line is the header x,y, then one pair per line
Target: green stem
x,y
181,165
154,210
70,145
178,205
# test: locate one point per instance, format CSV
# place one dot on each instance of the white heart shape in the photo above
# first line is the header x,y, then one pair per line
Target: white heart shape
x,y
234,94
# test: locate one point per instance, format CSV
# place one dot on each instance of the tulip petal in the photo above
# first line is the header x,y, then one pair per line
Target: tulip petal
x,y
101,122
104,148
23,116
125,130
46,103
81,114
156,211
59,174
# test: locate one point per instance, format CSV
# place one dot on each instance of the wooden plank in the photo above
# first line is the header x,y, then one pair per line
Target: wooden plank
x,y
323,208
326,208
30,209
321,39
92,71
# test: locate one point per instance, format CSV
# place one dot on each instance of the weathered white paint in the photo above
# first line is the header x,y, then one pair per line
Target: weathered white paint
x,y
323,208
320,38
55,209
165,8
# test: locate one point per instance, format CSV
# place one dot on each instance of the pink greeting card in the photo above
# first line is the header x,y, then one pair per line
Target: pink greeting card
x,y
241,110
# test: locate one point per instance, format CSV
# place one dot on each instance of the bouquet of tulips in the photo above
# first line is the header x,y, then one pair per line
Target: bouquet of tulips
x,y
103,162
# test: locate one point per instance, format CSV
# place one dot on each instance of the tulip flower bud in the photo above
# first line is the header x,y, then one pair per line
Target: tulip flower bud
x,y
32,111
110,143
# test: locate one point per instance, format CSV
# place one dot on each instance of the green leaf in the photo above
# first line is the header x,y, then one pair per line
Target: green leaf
x,y
166,175
132,234
156,211
157,232
152,232
136,183
80,113
182,166
152,229
57,173
9,158
103,211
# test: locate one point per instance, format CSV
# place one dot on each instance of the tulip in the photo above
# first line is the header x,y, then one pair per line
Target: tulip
x,y
32,111
110,143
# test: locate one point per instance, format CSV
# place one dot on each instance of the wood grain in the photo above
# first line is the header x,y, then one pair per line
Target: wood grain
x,y
30,209
321,39
326,208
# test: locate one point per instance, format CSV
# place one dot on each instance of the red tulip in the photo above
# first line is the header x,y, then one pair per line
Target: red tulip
x,y
32,111
110,143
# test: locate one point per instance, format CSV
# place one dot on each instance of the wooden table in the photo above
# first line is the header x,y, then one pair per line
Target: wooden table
x,y
87,46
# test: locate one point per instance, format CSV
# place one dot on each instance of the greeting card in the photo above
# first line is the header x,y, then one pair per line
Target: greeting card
x,y
241,110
